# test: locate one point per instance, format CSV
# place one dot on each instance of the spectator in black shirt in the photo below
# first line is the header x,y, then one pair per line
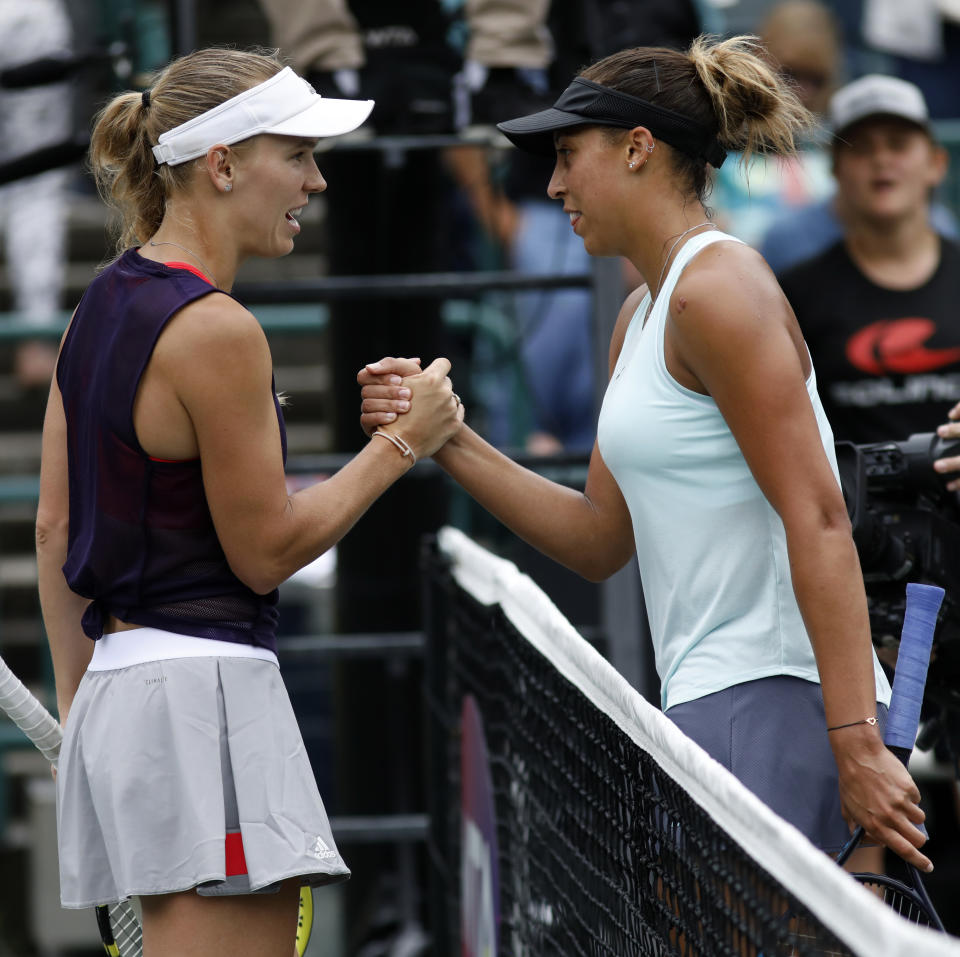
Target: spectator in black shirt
x,y
878,309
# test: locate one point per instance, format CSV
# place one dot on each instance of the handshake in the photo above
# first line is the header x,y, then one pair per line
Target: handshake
x,y
431,411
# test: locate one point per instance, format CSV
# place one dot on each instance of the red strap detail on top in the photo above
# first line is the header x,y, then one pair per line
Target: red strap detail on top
x,y
236,861
189,268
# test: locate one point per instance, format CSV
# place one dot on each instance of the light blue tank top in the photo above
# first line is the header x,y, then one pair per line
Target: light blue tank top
x,y
712,550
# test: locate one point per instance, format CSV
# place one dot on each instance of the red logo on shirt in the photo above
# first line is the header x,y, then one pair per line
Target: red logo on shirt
x,y
897,346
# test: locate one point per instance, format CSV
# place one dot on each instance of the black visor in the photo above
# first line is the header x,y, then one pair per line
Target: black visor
x,y
585,103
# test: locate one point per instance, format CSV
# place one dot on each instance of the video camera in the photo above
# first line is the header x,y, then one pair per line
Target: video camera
x,y
906,526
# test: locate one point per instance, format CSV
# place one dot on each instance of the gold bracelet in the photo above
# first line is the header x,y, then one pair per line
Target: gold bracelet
x,y
399,442
870,721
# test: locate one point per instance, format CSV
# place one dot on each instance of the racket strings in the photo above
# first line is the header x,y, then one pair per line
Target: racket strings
x,y
902,899
126,928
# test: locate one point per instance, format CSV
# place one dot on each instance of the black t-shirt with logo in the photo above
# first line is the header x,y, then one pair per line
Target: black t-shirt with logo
x,y
887,360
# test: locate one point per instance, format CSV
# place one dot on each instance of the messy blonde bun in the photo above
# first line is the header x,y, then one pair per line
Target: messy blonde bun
x,y
726,86
125,131
754,109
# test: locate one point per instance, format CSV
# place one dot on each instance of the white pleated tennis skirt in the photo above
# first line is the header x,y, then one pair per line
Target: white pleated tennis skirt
x,y
162,758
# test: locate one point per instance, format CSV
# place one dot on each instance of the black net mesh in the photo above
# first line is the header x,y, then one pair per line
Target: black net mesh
x,y
600,851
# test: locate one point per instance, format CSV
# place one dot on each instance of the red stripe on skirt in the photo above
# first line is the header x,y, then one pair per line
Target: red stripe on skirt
x,y
236,861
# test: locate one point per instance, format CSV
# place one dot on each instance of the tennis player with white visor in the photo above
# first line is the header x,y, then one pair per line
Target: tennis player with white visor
x,y
165,526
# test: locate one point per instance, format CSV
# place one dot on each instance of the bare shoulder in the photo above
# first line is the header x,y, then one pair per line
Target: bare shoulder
x,y
728,285
216,341
730,321
216,317
215,326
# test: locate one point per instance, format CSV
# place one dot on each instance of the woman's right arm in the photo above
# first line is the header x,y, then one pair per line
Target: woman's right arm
x,y
589,532
213,359
61,608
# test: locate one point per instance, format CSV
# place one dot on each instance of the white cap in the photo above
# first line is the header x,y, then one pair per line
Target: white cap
x,y
285,105
877,95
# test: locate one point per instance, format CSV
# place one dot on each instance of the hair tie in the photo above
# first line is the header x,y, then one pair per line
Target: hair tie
x,y
145,98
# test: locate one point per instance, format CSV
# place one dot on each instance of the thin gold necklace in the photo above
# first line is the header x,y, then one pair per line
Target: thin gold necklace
x,y
706,222
663,269
207,270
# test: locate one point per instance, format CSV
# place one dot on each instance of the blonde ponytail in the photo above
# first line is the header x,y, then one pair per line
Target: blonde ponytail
x,y
125,171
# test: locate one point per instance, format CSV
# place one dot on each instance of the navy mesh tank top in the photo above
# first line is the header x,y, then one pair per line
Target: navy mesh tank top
x,y
141,544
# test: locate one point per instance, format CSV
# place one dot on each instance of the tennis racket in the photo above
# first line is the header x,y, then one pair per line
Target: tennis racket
x,y
910,900
119,925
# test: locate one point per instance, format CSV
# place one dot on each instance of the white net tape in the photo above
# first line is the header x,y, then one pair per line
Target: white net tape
x,y
846,908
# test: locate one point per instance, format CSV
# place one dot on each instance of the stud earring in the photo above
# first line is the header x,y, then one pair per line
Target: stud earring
x,y
228,187
632,165
650,148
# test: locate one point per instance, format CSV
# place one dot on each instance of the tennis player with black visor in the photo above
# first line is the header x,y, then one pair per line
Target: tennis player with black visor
x,y
714,462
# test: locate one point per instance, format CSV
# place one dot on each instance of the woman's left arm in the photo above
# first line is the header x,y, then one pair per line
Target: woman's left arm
x,y
733,336
62,608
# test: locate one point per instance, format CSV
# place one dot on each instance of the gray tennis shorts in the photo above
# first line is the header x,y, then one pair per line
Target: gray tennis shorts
x,y
772,734
161,759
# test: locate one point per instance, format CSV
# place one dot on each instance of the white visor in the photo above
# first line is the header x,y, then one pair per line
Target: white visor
x,y
285,105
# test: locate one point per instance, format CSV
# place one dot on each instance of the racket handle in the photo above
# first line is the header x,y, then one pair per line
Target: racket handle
x,y
29,714
916,640
853,842
909,680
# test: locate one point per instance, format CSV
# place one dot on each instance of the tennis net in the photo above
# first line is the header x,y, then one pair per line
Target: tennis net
x,y
570,817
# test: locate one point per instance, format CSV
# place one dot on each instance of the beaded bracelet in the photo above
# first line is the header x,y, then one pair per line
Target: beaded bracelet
x,y
837,727
399,442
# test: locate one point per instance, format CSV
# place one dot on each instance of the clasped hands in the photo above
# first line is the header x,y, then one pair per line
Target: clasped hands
x,y
393,387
